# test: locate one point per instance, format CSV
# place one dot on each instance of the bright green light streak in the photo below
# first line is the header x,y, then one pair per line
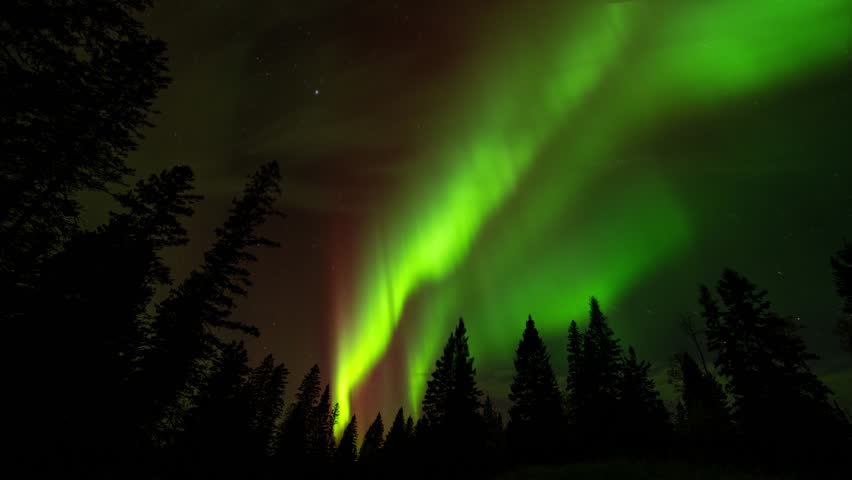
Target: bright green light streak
x,y
627,236
645,59
484,167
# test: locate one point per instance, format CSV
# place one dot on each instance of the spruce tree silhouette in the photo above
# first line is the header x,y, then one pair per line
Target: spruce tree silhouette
x,y
295,434
409,428
841,265
641,413
186,322
396,442
321,424
575,388
347,452
371,449
436,401
266,384
79,80
781,406
535,415
595,414
451,426
703,419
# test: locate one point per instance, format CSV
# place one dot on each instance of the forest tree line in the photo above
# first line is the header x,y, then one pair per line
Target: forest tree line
x,y
116,370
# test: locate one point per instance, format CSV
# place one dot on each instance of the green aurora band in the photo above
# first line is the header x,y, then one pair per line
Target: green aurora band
x,y
553,96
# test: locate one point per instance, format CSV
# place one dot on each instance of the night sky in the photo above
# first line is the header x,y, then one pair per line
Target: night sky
x,y
497,159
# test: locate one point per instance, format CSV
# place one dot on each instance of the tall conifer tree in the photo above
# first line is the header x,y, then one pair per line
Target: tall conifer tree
x,y
452,424
396,441
641,411
600,370
373,440
294,438
535,415
186,322
703,416
574,390
265,385
347,452
778,401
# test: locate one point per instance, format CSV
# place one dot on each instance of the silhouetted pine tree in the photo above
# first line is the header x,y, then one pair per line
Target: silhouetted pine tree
x,y
295,434
464,395
321,423
841,265
347,452
641,412
451,394
535,415
435,403
574,391
703,420
409,428
332,420
396,441
451,425
265,385
186,321
372,446
780,404
600,369
421,427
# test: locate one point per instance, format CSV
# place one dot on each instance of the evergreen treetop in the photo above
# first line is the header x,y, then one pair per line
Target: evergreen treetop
x,y
373,440
534,393
347,451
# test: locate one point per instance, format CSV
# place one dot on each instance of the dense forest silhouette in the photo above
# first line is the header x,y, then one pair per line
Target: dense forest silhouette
x,y
125,383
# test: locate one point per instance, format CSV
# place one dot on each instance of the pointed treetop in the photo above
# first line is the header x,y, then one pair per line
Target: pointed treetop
x,y
309,390
595,313
461,330
534,392
530,330
347,451
409,427
373,440
397,435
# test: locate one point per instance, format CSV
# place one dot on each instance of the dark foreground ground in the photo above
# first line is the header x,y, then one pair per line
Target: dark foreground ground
x,y
663,471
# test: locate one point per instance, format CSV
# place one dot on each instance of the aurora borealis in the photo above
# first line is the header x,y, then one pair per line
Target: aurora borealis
x,y
499,159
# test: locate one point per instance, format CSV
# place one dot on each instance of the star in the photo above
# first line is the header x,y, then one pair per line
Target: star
x,y
316,92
